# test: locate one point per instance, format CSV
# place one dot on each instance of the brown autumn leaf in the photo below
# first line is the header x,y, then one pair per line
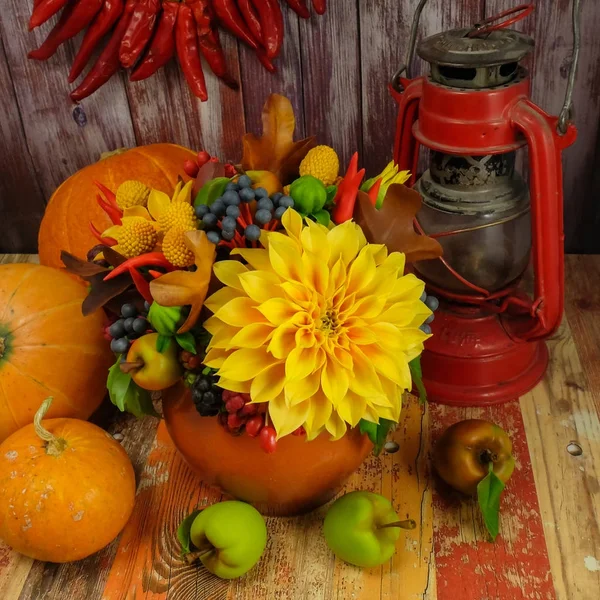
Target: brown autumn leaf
x,y
180,288
275,150
392,224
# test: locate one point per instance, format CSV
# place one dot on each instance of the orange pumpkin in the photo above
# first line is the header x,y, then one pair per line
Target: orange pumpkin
x,y
73,205
296,478
67,489
47,347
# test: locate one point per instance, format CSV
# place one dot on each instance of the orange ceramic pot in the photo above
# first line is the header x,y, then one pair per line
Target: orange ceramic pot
x,y
298,477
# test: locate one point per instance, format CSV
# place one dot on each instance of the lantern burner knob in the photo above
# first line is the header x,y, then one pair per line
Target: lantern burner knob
x,y
459,60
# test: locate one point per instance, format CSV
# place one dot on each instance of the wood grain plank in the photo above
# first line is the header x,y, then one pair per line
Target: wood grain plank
x,y
164,110
20,219
329,47
556,412
58,145
469,567
258,83
582,307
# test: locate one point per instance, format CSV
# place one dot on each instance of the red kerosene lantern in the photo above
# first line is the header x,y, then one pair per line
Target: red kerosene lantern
x,y
473,112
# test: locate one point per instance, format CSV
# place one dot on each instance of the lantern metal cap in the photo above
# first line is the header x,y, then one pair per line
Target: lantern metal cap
x,y
456,49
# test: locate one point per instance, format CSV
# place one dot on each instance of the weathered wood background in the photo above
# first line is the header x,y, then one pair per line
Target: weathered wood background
x,y
335,70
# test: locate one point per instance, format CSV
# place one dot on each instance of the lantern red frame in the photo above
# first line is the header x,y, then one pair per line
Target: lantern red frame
x,y
487,347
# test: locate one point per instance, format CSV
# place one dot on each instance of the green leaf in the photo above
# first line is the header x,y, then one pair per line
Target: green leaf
x,y
162,343
183,532
489,491
164,319
377,432
322,217
126,395
186,341
417,377
331,192
211,190
118,384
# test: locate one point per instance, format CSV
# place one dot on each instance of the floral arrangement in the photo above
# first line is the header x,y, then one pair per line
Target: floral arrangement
x,y
275,289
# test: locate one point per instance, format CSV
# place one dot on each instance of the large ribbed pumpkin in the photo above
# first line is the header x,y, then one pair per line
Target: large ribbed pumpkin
x,y
47,347
73,205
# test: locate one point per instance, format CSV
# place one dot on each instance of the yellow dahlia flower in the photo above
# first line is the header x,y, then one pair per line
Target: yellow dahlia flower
x,y
319,324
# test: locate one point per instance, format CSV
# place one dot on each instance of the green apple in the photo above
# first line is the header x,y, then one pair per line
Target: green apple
x,y
230,538
362,528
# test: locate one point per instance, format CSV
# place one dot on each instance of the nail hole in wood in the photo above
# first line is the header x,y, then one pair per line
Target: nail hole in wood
x,y
574,449
391,447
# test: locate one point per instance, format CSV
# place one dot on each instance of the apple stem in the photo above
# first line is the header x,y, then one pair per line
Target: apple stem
x,y
487,456
408,524
192,557
128,367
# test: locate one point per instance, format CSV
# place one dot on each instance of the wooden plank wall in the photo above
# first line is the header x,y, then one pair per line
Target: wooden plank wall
x,y
335,70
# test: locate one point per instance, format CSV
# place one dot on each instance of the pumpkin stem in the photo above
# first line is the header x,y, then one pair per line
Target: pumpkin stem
x,y
54,446
2,347
112,153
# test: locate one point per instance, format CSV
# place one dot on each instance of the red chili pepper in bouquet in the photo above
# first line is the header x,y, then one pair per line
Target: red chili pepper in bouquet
x,y
139,32
251,19
300,8
162,48
108,61
320,6
43,10
186,39
109,13
271,22
208,40
75,18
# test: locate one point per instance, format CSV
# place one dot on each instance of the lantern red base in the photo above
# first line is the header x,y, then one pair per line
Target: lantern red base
x,y
472,361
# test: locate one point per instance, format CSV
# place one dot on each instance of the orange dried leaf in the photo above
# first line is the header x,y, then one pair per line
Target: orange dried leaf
x,y
275,150
181,288
392,224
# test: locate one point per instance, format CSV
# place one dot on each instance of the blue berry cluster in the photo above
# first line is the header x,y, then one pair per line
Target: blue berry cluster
x,y
225,210
131,325
432,304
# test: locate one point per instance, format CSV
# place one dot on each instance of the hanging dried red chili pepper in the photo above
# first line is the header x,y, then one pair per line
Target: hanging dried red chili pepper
x,y
251,19
230,17
186,40
320,6
162,48
208,40
139,32
74,19
44,10
300,8
109,13
108,61
271,23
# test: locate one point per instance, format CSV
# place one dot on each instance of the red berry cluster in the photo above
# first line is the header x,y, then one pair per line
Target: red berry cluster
x,y
190,361
243,415
192,167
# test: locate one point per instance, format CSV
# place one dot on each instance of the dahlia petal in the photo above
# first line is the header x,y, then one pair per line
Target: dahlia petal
x,y
305,337
285,257
404,314
337,277
287,418
386,334
344,243
228,272
301,362
336,426
254,335
222,337
240,312
334,381
392,366
261,285
368,308
298,390
370,414
215,357
268,384
297,292
362,271
158,203
314,240
245,364
315,274
283,341
343,357
364,380
407,288
278,310
242,387
212,325
257,258
319,411
352,408
362,335
292,223
221,297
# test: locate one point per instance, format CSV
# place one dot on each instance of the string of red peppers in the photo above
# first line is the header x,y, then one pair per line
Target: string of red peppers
x,y
146,34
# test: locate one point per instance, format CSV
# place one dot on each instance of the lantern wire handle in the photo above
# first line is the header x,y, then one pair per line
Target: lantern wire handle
x,y
413,37
566,114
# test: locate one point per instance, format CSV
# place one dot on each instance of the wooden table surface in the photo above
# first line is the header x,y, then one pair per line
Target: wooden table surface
x,y
549,546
